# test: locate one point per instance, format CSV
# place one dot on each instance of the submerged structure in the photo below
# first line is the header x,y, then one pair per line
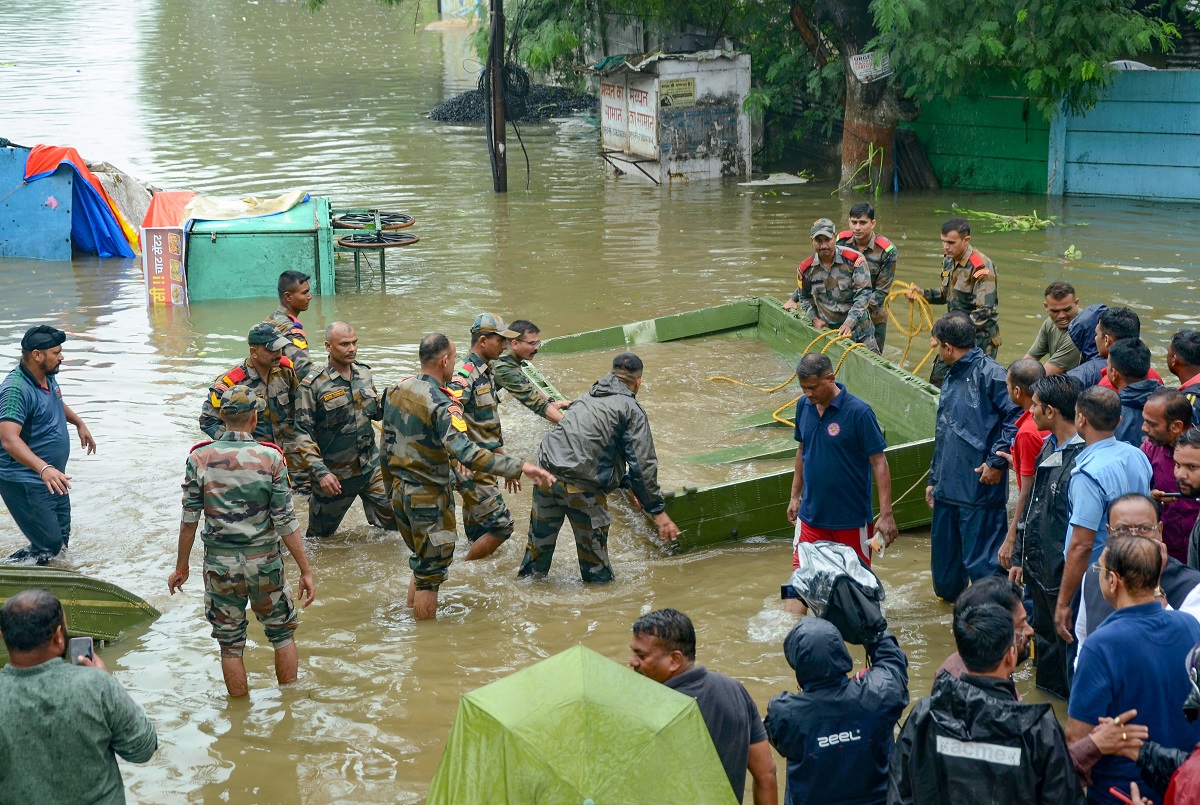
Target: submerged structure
x,y
905,406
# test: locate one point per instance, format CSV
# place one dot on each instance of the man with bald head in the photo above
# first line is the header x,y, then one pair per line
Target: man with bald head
x,y
336,440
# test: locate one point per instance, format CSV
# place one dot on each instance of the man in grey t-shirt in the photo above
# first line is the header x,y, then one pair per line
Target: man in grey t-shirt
x,y
61,726
664,649
1053,342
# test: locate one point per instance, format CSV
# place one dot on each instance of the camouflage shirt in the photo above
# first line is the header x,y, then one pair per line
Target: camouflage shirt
x,y
838,294
297,351
241,486
334,433
423,429
969,286
881,259
508,373
279,390
474,387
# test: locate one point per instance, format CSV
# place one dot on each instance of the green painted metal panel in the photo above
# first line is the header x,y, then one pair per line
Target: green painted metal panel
x,y
93,607
243,257
906,407
997,141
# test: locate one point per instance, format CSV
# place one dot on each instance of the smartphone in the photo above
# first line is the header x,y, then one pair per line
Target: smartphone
x,y
80,647
1170,495
1121,795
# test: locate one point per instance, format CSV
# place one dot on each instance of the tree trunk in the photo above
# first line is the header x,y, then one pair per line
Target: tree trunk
x,y
871,110
868,134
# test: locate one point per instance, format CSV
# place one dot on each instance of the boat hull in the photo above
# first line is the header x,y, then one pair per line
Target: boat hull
x,y
905,405
93,607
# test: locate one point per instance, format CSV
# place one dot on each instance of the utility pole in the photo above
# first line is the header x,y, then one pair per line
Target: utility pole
x,y
496,72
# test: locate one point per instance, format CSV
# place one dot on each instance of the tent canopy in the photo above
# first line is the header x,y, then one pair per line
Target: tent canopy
x,y
575,727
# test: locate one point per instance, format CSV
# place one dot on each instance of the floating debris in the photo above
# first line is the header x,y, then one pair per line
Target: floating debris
x,y
1007,223
540,103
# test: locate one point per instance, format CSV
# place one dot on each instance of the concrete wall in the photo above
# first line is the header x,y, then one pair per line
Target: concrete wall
x,y
1142,140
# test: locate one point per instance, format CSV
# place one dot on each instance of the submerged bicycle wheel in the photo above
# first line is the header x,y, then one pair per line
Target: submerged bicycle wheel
x,y
362,220
377,240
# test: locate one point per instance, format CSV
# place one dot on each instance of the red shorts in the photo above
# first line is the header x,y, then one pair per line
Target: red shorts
x,y
857,538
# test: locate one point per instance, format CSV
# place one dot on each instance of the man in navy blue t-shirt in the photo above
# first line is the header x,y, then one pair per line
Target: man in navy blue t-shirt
x,y
1133,661
35,445
841,447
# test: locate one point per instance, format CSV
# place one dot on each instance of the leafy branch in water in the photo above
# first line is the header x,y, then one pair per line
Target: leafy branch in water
x,y
1008,223
874,173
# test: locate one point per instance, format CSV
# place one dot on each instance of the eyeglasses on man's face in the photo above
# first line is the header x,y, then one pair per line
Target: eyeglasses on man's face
x,y
1143,530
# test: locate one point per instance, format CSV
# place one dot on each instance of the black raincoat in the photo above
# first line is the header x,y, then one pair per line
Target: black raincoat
x,y
970,741
837,732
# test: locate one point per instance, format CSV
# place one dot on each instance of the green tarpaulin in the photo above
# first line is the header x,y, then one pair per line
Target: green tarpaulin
x,y
577,728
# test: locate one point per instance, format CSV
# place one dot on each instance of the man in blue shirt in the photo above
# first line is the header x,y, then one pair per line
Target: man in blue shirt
x,y
841,447
1133,661
34,447
1104,470
968,477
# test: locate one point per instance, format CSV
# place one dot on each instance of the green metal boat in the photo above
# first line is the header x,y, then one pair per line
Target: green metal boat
x,y
93,607
905,405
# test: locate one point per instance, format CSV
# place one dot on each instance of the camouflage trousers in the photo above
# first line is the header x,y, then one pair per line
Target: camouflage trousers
x,y
425,517
589,518
484,509
233,580
986,338
325,512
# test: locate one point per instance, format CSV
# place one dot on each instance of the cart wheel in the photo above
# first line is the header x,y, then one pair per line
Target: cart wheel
x,y
364,220
377,240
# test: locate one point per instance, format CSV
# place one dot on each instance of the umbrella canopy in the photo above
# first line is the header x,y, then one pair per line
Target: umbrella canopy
x,y
574,728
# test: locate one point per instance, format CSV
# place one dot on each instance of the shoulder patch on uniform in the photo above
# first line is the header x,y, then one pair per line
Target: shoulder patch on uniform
x,y
457,422
272,444
300,342
234,376
286,362
977,260
884,243
853,255
805,265
198,445
307,381
845,235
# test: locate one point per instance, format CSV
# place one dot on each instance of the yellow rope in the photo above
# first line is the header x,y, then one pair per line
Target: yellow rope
x,y
920,319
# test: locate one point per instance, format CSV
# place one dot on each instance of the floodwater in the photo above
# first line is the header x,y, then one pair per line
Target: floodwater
x,y
258,97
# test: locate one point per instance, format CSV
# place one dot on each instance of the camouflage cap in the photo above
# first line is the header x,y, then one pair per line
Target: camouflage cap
x,y
241,399
265,335
491,323
823,226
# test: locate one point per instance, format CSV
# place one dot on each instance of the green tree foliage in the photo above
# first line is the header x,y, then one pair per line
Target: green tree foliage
x,y
1057,51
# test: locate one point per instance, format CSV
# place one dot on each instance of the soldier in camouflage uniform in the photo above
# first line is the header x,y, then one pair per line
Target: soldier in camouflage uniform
x,y
241,486
423,432
295,296
969,285
486,517
336,440
880,254
508,372
271,377
602,443
834,287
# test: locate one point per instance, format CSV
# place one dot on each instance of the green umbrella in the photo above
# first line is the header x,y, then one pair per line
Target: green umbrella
x,y
579,728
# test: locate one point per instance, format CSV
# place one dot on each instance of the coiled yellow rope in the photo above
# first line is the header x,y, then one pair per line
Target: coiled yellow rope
x,y
920,319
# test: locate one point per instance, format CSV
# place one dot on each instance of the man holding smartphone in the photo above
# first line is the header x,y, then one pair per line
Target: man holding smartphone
x,y
50,710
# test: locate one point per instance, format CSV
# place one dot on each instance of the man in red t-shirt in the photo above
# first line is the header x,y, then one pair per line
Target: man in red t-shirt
x,y
1021,376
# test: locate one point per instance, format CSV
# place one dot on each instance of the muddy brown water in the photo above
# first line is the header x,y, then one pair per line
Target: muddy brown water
x,y
261,97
